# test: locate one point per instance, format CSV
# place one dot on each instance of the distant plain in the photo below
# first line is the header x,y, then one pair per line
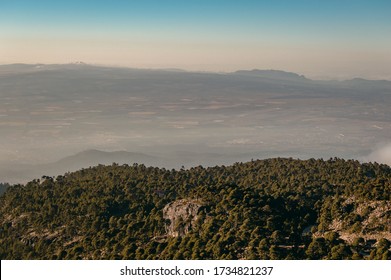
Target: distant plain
x,y
59,118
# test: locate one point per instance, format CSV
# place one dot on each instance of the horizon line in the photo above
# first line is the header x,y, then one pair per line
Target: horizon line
x,y
173,69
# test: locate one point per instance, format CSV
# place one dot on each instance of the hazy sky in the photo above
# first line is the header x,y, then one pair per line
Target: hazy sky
x,y
338,39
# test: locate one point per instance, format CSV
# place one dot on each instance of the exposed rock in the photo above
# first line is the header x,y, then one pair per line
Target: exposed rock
x,y
181,216
374,221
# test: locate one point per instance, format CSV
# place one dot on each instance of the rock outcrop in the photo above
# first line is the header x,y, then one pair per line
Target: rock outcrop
x,y
181,216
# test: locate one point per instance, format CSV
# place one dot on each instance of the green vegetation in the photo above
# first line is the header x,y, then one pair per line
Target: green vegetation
x,y
265,209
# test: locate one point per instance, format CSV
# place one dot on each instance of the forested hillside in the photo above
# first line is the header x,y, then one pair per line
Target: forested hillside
x,y
264,209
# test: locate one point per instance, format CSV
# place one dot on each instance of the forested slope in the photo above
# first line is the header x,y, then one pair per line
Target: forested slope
x,y
264,209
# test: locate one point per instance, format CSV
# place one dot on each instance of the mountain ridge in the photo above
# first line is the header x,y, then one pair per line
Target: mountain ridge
x,y
261,73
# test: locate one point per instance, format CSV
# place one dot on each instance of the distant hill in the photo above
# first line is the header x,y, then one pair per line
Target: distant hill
x,y
22,173
359,82
17,173
94,157
272,74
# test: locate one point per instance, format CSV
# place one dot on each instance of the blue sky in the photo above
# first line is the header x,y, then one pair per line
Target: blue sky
x,y
318,38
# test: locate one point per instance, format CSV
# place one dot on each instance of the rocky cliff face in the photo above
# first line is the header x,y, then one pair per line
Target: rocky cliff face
x,y
181,216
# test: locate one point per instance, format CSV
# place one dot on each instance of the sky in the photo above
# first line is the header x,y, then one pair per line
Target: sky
x,y
320,39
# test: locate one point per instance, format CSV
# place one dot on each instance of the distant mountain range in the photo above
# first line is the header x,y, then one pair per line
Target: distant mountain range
x,y
259,73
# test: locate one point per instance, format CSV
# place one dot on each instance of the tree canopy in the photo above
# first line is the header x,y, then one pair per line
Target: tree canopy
x,y
265,209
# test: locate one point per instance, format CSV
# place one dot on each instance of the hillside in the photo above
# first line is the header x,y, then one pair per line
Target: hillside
x,y
265,209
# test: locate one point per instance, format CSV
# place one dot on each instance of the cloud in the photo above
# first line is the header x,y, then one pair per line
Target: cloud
x,y
380,155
